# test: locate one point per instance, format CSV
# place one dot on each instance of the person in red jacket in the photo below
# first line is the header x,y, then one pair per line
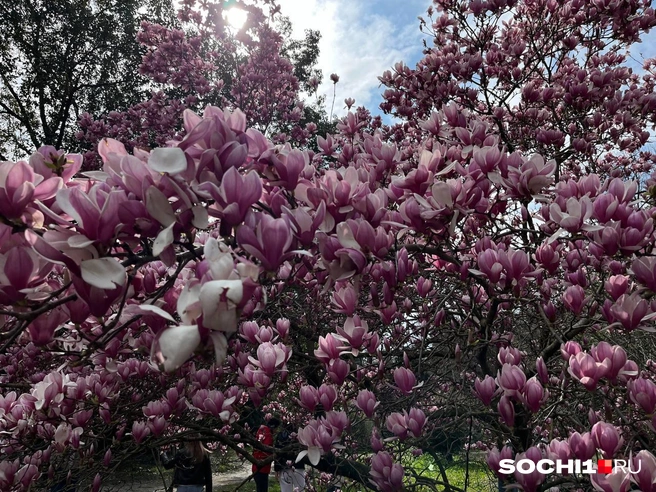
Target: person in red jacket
x,y
265,436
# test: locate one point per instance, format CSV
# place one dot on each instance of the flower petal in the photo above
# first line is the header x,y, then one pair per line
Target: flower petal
x,y
159,206
171,160
201,217
176,345
104,273
156,310
220,346
164,240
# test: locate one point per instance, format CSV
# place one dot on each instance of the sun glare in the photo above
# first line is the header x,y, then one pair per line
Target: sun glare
x,y
235,17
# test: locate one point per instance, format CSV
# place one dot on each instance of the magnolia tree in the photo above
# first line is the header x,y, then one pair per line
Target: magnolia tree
x,y
205,60
431,288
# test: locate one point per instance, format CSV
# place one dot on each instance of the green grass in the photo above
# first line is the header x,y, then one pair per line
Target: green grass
x,y
480,477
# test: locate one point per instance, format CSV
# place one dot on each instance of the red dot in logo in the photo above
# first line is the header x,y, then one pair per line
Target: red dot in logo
x,y
605,466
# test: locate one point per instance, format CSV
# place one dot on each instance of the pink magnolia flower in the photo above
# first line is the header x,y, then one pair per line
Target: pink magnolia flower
x,y
264,334
516,265
271,357
616,286
338,370
511,379
646,477
329,348
327,396
404,379
630,310
97,482
43,328
158,425
234,197
617,481
534,395
289,165
396,424
541,368
366,401
531,177
27,475
530,481
345,299
267,239
509,355
548,257
643,393
569,348
415,420
319,438
385,474
489,264
573,217
96,213
214,403
614,354
494,456
506,411
309,397
50,162
485,389
282,327
607,438
20,268
644,269
140,431
354,333
376,441
339,421
574,298
559,450
249,330
424,286
20,187
584,368
107,459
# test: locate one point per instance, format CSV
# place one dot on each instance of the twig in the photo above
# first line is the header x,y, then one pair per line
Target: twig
x,y
156,456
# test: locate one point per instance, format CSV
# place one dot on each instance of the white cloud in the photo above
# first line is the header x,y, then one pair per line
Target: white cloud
x,y
360,40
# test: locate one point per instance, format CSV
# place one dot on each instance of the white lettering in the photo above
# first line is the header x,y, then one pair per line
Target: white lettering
x,y
625,466
564,467
561,467
620,465
507,466
525,466
588,468
545,470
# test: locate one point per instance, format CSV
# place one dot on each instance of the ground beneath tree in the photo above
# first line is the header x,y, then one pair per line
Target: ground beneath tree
x,y
152,482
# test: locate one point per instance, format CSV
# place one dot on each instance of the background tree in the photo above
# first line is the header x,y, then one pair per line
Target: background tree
x,y
426,285
63,57
553,77
204,60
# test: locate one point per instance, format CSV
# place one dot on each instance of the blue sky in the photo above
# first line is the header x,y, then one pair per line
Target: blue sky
x,y
360,40
363,38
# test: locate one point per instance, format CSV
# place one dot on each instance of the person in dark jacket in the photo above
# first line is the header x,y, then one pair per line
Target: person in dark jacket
x,y
290,474
193,470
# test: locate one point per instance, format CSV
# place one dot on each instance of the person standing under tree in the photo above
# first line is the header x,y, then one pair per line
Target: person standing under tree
x,y
265,436
193,470
289,472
